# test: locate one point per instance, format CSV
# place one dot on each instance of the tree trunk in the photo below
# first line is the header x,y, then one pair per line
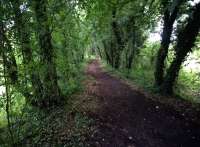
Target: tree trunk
x,y
10,62
117,35
186,40
8,100
23,33
130,59
108,56
131,30
169,19
9,58
99,51
52,94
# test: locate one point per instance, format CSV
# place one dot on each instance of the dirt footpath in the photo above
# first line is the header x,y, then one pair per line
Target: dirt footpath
x,y
125,118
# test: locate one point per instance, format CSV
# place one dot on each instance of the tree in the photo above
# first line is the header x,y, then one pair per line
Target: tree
x,y
170,15
119,42
185,42
23,36
51,91
121,29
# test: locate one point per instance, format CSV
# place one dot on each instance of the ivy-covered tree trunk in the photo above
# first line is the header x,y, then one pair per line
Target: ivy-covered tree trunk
x,y
119,42
131,42
129,61
169,18
107,51
186,39
23,35
52,93
99,51
10,62
9,58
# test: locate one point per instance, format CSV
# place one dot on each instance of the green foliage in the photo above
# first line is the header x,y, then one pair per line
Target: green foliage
x,y
63,23
188,86
142,73
45,45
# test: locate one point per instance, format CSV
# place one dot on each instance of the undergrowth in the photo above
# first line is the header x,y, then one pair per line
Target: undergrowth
x,y
186,87
59,126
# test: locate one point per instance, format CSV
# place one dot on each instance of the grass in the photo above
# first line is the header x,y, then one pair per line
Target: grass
x,y
188,86
136,76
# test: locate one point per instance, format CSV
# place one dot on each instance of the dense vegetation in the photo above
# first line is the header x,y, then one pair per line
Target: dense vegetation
x,y
44,45
125,45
